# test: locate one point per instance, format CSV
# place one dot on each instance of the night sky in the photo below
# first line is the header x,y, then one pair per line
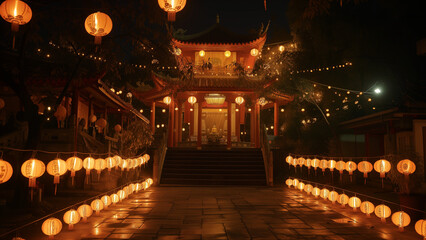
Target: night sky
x,y
237,15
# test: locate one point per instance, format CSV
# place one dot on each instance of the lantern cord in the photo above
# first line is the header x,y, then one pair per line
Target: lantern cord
x,y
366,196
66,208
57,153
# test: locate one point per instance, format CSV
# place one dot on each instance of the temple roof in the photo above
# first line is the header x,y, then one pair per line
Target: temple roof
x,y
218,34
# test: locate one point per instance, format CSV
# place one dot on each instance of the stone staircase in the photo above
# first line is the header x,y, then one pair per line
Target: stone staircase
x,y
243,166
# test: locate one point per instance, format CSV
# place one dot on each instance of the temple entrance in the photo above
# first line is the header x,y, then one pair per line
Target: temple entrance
x,y
214,126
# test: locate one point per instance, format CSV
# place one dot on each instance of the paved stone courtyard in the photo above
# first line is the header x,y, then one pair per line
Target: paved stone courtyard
x,y
229,213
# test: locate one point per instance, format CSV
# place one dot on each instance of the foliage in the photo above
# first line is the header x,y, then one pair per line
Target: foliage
x,y
137,136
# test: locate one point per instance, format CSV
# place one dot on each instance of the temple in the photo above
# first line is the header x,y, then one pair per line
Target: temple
x,y
217,97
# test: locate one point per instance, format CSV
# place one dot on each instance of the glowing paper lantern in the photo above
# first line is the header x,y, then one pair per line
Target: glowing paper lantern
x,y
421,228
100,164
295,183
150,181
301,186
239,100
147,157
88,164
124,164
340,166
288,182
32,169
115,198
315,163
6,171
406,167
382,211
332,196
167,100
308,164
92,118
71,217
172,7
121,194
17,13
101,123
331,165
354,202
51,227
367,208
192,100
308,188
97,205
145,184
382,166
110,163
118,160
74,164
324,193
227,54
323,165
106,200
316,191
343,199
56,168
85,211
401,219
254,52
98,25
301,162
202,53
138,187
289,159
365,167
350,167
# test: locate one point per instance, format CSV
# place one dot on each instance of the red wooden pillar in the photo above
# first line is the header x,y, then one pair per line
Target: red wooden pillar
x,y
199,126
257,125
179,123
276,118
153,117
171,123
229,145
237,122
252,127
191,122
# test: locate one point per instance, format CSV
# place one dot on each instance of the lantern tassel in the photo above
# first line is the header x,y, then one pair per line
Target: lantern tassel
x,y
382,184
383,220
171,16
56,188
71,227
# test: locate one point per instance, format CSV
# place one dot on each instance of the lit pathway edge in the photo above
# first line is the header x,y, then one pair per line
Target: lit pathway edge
x,y
226,213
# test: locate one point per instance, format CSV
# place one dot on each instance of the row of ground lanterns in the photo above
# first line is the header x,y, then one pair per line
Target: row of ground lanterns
x,y
53,226
400,218
34,168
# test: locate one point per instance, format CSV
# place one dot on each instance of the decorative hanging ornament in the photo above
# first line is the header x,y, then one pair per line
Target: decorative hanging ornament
x,y
365,167
106,200
51,227
301,186
382,211
167,100
323,165
350,167
97,205
100,165
354,202
74,164
32,169
71,217
316,192
172,7
401,219
85,211
295,183
289,160
421,228
6,171
343,199
17,13
332,196
308,188
98,24
324,193
367,208
56,168
110,163
239,100
88,164
115,198
289,182
254,52
192,100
